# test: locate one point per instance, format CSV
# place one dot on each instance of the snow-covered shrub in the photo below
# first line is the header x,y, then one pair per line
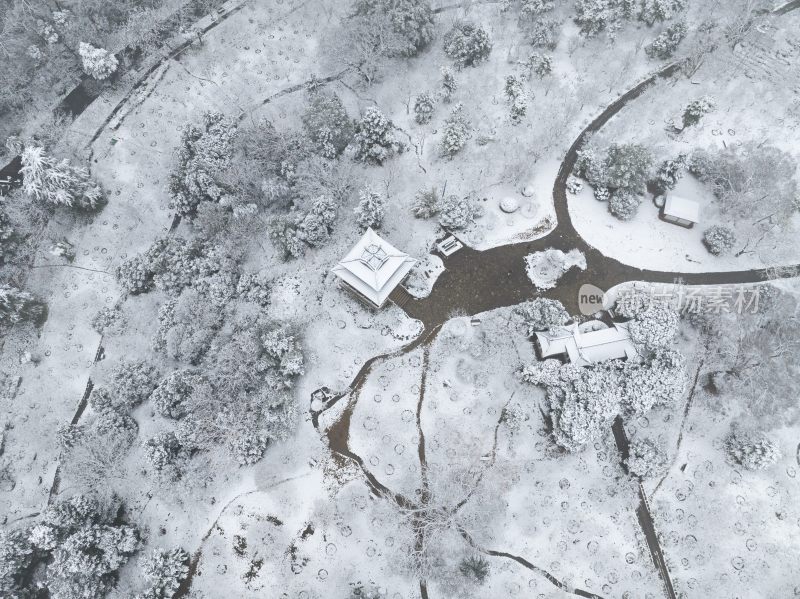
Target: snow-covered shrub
x,y
542,314
205,151
316,225
574,185
284,234
58,183
8,236
655,327
624,204
659,381
719,240
107,319
476,568
163,452
370,210
545,268
132,381
653,11
591,167
696,109
69,435
667,42
647,458
601,194
669,173
751,449
169,398
164,570
97,62
426,203
458,212
18,306
545,373
327,123
633,304
374,140
456,131
467,44
449,84
424,104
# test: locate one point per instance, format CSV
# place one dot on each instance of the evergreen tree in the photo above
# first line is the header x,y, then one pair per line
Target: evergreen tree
x,y
467,44
18,306
370,210
58,183
97,62
456,132
327,123
719,240
375,140
423,108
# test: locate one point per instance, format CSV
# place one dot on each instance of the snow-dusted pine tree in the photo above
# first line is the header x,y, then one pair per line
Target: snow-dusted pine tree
x,y
370,210
375,141
58,182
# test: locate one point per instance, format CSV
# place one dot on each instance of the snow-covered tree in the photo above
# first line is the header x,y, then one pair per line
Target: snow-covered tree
x,y
18,306
533,9
540,65
370,210
131,382
476,568
669,173
696,109
516,95
594,16
170,397
456,131
467,44
627,166
647,458
424,104
406,26
204,153
164,570
426,203
449,84
327,123
16,557
659,381
163,452
666,43
97,62
719,240
85,546
542,314
375,141
653,11
58,183
624,204
458,212
654,328
751,449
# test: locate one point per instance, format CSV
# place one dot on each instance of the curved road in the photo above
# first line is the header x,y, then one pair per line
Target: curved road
x,y
477,281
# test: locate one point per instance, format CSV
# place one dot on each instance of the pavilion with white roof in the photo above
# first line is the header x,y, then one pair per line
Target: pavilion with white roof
x,y
373,268
584,348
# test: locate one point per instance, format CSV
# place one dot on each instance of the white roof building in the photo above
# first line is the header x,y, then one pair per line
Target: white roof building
x,y
585,348
681,211
373,268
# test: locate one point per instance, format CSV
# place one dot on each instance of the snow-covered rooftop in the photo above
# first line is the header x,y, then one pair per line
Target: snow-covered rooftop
x,y
585,348
682,208
374,267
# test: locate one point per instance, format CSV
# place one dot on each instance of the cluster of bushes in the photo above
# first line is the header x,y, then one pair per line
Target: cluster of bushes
x,y
74,550
455,212
595,16
666,43
619,176
541,314
242,399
